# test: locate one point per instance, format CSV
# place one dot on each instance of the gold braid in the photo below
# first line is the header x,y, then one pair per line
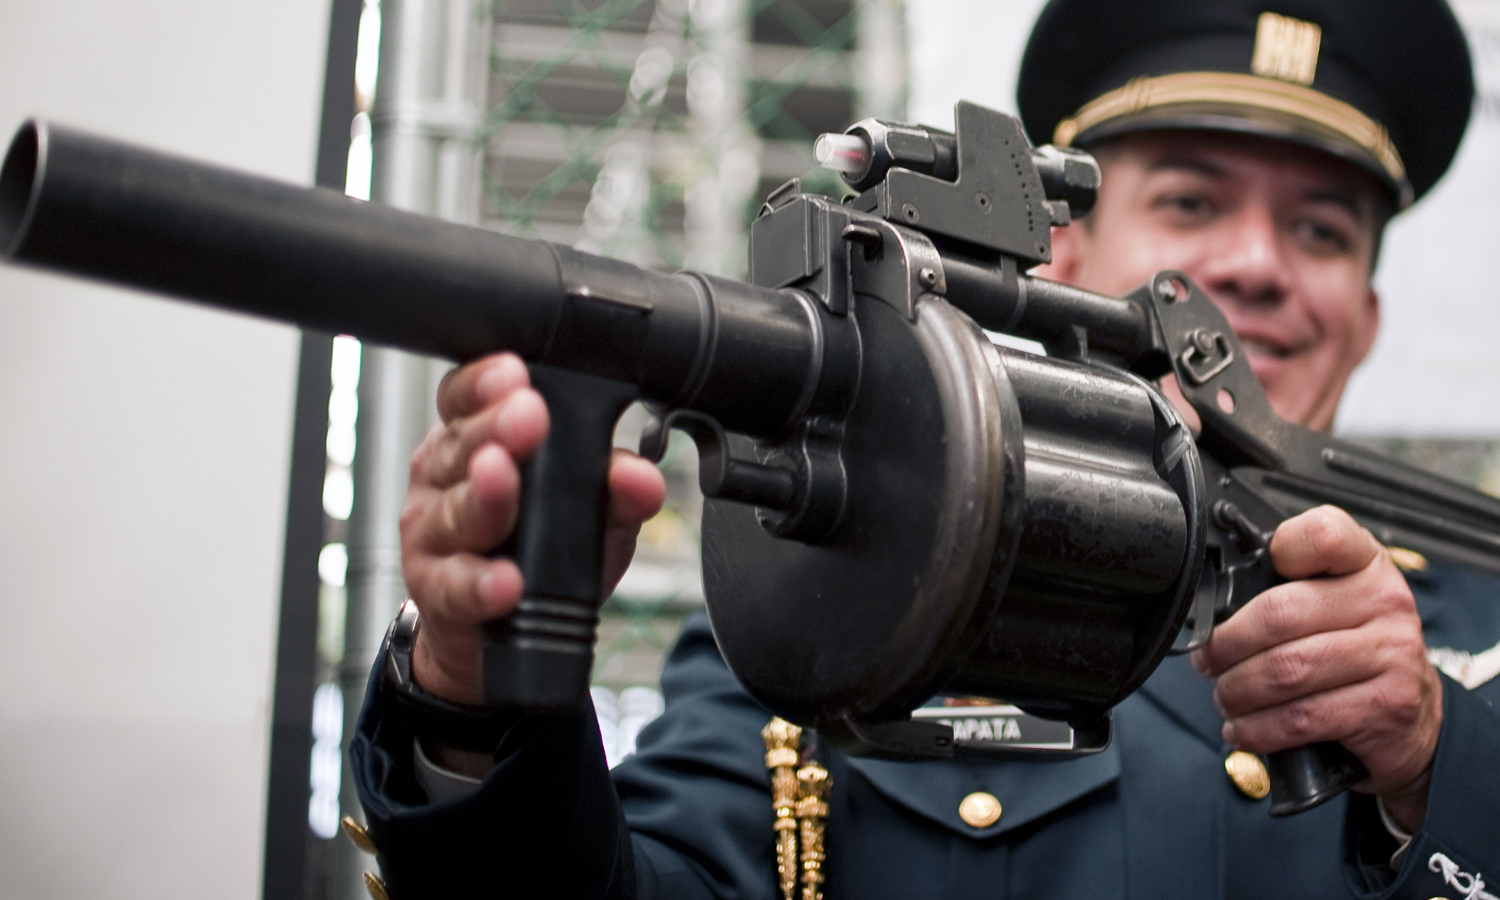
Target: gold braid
x,y
783,745
812,810
799,798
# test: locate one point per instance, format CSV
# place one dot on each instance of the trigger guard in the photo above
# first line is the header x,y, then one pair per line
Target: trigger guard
x,y
1214,588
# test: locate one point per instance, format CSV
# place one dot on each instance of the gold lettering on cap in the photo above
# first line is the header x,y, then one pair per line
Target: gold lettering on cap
x,y
1286,48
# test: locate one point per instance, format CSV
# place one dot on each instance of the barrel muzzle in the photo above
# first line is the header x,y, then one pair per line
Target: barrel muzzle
x,y
18,176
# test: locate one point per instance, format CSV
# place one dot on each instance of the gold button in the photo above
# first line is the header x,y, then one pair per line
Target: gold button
x,y
979,809
357,833
1407,560
376,887
1248,774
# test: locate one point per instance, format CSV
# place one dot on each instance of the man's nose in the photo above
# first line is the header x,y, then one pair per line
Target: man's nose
x,y
1249,266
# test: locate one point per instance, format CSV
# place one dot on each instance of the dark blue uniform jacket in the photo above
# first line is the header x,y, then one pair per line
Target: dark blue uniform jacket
x,y
1152,817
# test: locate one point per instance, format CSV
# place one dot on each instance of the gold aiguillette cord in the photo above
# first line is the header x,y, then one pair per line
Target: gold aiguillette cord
x,y
812,810
783,745
798,797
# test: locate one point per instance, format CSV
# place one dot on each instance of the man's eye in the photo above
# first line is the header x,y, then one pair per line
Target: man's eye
x,y
1324,236
1187,205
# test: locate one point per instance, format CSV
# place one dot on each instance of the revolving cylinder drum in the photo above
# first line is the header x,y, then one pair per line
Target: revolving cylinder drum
x,y
1110,546
1017,527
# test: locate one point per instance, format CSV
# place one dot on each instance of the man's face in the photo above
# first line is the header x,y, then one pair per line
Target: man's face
x,y
1280,237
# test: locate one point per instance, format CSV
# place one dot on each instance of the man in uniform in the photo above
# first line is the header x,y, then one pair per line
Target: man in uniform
x,y
1258,148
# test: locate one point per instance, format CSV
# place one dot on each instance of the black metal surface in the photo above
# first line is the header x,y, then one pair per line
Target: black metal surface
x,y
933,513
313,257
1001,300
925,150
850,634
996,201
865,624
287,834
540,657
720,474
1289,469
1069,175
1255,451
1110,547
987,729
1305,777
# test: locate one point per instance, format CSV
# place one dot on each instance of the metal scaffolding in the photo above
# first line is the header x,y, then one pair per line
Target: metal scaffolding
x,y
426,108
650,130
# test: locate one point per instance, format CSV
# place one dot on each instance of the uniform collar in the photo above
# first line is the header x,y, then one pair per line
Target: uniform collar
x,y
1027,789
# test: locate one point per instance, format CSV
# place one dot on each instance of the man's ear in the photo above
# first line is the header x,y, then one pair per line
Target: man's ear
x,y
1371,324
1066,254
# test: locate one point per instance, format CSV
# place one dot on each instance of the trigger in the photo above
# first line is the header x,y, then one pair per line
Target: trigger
x,y
654,438
1215,585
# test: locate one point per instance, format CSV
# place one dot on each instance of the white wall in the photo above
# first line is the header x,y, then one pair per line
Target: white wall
x,y
144,448
1434,371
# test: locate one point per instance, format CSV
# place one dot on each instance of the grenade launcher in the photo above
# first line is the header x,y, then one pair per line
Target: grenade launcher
x,y
896,506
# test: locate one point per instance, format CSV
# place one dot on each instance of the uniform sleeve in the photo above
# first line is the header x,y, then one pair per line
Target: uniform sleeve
x,y
689,816
543,823
1457,851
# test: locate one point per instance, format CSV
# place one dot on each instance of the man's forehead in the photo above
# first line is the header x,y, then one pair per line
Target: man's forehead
x,y
1225,155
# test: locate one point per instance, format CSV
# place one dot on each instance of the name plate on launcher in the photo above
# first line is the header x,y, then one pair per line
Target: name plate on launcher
x,y
999,725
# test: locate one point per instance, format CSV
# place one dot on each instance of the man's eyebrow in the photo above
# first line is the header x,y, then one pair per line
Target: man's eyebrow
x,y
1175,162
1347,199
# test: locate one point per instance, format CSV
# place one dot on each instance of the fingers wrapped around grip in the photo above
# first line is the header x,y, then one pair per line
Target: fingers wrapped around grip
x,y
1343,578
1335,654
464,490
1323,541
495,405
462,502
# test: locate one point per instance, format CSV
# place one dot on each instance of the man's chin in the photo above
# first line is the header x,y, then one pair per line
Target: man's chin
x,y
1286,388
1271,370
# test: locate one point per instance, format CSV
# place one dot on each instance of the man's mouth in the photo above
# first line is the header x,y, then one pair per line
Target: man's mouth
x,y
1265,349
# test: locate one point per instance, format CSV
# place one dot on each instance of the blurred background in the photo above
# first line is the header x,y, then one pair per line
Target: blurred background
x,y
197,544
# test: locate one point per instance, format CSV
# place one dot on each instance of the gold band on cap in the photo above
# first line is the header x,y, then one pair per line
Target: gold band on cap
x,y
1233,88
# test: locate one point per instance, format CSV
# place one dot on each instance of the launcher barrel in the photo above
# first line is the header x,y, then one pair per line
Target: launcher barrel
x,y
318,259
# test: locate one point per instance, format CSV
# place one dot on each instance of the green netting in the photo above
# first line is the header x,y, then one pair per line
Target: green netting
x,y
579,91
